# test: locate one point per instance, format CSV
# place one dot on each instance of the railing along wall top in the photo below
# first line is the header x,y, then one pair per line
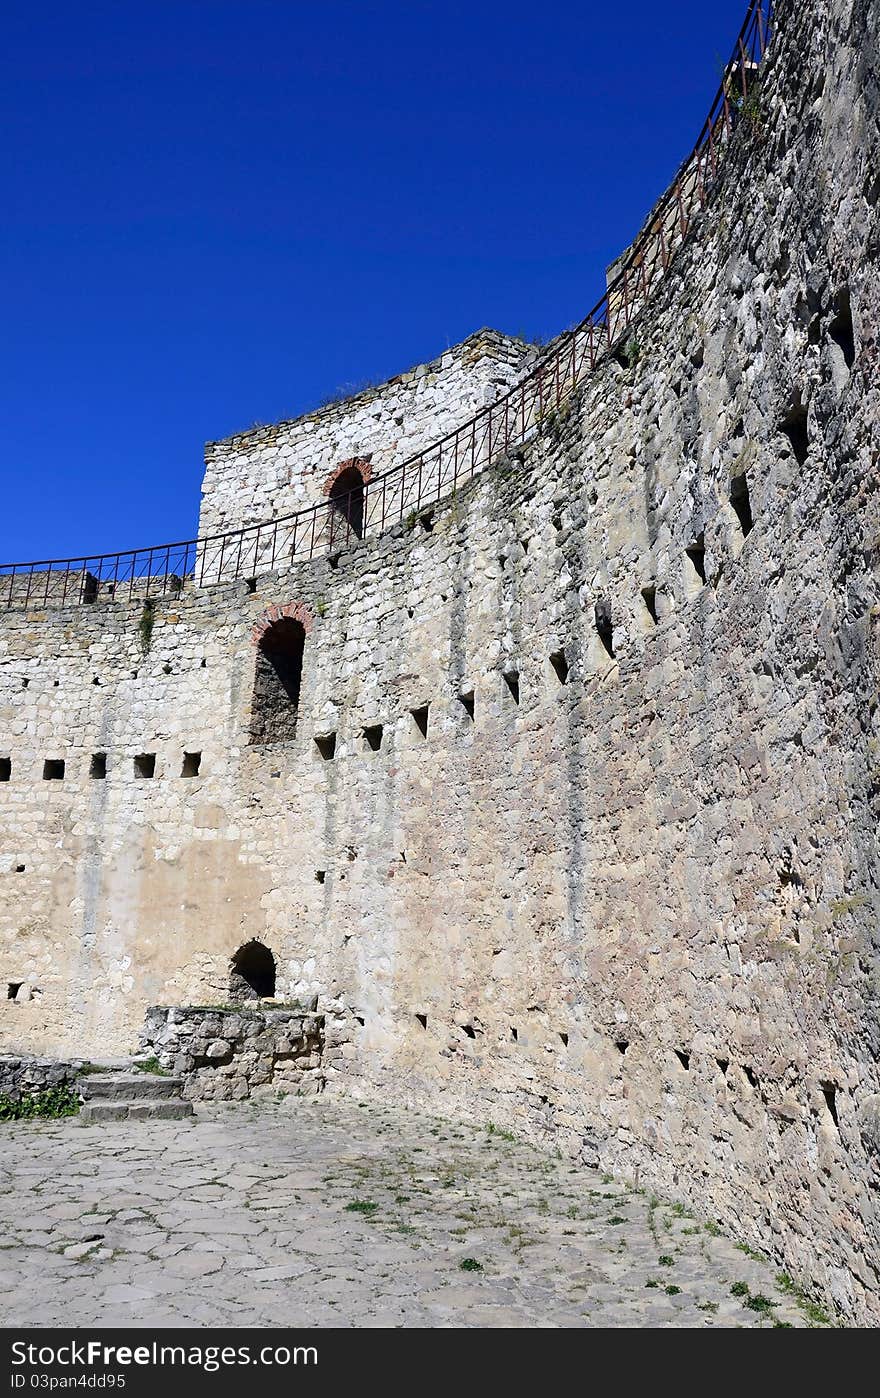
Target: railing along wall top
x,y
424,478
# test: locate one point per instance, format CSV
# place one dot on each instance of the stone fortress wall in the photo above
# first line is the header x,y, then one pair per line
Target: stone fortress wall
x,y
578,829
273,470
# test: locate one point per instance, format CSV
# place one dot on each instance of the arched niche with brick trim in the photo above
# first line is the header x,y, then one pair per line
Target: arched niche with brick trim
x,y
279,639
345,491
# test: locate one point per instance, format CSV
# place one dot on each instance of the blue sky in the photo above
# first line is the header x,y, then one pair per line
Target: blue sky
x,y
218,213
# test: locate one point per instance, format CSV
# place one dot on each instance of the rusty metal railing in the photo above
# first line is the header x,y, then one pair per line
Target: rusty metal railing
x,y
409,489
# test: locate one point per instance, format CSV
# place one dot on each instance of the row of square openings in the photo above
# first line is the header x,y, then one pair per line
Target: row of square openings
x,y
373,734
472,1031
682,1057
144,765
279,663
695,553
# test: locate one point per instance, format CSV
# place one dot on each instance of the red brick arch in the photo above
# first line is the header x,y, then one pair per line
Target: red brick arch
x,y
360,463
297,611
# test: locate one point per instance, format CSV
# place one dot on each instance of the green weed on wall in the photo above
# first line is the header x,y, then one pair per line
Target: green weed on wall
x,y
45,1103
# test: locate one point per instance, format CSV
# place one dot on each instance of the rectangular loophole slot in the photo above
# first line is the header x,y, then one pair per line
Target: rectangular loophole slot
x,y
604,625
12,989
53,769
145,765
795,429
829,1092
696,552
649,597
326,745
192,761
98,766
467,703
5,768
420,719
741,504
841,329
423,1020
373,737
511,679
560,666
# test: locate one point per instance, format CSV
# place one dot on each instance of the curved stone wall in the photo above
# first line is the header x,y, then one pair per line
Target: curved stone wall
x,y
618,888
275,469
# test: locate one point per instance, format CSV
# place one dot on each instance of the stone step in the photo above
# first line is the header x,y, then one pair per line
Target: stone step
x,y
129,1087
168,1110
111,1065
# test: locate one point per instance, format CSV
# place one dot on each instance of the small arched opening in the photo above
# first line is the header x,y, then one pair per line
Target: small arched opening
x,y
346,497
252,973
277,682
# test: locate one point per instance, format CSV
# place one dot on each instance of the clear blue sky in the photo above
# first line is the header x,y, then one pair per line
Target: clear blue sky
x,y
216,213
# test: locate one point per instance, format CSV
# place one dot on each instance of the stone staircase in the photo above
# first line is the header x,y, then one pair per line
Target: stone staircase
x,y
117,1090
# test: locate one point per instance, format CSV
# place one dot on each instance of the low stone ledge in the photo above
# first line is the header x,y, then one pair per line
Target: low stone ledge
x,y
229,1053
21,1074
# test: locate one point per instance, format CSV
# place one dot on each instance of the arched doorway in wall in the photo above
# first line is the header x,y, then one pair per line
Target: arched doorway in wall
x,y
252,972
277,681
346,496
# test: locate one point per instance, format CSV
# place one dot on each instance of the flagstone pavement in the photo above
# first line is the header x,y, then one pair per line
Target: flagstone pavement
x,y
321,1212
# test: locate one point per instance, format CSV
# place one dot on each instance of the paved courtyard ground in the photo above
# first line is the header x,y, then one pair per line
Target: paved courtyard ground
x,y
317,1212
